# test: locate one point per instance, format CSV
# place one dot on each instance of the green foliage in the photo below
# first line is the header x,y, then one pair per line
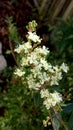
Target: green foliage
x,y
62,39
67,114
13,36
68,108
63,36
12,31
41,10
20,111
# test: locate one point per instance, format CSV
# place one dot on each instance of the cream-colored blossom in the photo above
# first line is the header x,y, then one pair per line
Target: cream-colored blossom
x,y
43,77
47,103
32,84
59,75
44,93
27,47
54,80
33,37
19,48
24,61
64,67
56,77
19,72
50,99
42,72
44,63
42,50
32,58
56,68
56,98
23,47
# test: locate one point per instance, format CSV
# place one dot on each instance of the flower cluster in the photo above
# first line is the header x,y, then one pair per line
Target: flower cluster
x,y
50,99
36,72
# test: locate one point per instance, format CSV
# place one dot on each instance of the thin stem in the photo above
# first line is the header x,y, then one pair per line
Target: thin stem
x,y
63,123
10,44
51,119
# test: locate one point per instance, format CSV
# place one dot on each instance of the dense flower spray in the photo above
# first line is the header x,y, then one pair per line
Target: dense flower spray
x,y
35,71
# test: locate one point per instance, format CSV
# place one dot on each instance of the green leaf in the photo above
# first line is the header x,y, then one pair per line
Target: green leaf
x,y
70,37
71,121
68,108
37,99
56,123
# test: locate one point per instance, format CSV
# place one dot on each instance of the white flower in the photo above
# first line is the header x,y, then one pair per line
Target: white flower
x,y
24,61
32,84
27,47
44,93
56,98
56,77
59,75
54,80
36,71
19,72
43,77
56,68
24,47
48,103
64,67
33,37
45,50
50,99
44,63
19,48
32,58
42,50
